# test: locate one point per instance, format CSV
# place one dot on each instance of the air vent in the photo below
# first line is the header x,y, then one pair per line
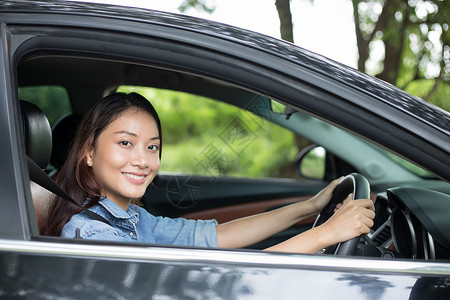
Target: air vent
x,y
383,234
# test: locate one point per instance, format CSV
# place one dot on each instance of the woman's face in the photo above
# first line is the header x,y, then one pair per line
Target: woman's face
x,y
125,157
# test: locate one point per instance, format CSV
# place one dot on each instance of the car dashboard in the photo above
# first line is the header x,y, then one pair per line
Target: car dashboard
x,y
411,223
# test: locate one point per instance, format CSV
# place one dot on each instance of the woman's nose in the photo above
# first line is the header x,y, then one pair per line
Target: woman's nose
x,y
140,160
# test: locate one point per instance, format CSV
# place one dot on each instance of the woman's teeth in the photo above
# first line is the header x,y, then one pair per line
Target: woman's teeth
x,y
132,176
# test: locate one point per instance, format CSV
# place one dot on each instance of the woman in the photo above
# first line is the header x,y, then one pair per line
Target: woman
x,y
115,156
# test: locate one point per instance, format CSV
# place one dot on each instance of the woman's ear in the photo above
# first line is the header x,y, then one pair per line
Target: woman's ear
x,y
89,158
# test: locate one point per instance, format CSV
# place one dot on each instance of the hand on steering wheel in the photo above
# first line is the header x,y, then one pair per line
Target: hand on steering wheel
x,y
357,185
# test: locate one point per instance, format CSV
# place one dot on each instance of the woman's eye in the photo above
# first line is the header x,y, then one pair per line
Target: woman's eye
x,y
125,143
153,147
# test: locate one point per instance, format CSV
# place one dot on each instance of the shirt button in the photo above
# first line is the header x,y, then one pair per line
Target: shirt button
x,y
131,234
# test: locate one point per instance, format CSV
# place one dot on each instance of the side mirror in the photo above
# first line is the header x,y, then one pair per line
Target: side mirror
x,y
311,162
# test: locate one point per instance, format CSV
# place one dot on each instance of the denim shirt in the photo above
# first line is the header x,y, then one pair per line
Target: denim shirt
x,y
137,225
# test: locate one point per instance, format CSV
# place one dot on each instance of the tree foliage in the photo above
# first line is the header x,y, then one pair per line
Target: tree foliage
x,y
197,4
413,35
415,39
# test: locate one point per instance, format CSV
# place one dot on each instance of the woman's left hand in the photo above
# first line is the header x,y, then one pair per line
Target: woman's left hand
x,y
321,199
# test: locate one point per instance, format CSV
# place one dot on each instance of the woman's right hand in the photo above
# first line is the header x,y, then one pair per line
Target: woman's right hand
x,y
352,219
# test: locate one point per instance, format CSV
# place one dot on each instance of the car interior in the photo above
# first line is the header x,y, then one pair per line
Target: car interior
x,y
406,225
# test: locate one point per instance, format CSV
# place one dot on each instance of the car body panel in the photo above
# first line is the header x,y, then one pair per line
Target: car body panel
x,y
154,272
14,223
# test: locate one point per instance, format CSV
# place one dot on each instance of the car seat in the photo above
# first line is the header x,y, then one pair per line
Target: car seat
x,y
38,143
63,133
37,133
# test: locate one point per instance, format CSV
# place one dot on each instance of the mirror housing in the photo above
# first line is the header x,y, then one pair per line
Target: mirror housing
x,y
311,162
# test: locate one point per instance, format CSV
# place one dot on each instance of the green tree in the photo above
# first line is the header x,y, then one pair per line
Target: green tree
x,y
197,4
415,37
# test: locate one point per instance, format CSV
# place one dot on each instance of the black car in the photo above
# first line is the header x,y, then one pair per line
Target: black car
x,y
264,98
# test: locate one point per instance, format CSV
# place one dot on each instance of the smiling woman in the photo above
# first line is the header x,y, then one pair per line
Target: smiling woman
x,y
125,156
115,157
103,149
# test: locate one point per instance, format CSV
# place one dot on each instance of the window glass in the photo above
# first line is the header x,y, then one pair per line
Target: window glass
x,y
206,137
410,167
53,100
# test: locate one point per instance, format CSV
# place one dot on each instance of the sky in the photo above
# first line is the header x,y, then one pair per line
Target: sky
x,y
322,26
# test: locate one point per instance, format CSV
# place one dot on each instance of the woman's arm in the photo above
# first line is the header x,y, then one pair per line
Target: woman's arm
x,y
249,230
352,219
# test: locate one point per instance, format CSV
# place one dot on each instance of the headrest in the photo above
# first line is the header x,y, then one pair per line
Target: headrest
x,y
63,134
37,134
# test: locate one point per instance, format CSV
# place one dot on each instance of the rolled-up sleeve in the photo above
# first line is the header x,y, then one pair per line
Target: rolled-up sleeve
x,y
183,232
205,233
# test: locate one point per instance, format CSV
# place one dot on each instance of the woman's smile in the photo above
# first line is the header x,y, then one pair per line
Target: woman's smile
x,y
139,179
125,157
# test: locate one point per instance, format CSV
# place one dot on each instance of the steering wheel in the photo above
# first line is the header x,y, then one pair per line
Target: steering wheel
x,y
353,183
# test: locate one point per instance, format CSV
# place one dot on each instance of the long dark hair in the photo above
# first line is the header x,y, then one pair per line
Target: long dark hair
x,y
75,177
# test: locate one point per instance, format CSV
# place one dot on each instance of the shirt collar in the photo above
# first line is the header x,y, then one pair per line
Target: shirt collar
x,y
118,212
